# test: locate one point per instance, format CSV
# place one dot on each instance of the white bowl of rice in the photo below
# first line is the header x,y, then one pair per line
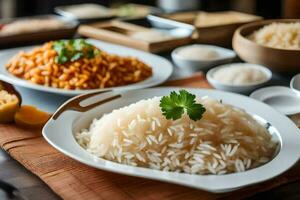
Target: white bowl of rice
x,y
239,77
200,57
237,138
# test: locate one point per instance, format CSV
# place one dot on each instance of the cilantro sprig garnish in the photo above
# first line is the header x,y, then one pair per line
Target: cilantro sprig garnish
x,y
174,106
72,50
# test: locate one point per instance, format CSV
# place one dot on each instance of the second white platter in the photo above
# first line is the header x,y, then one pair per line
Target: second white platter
x,y
161,67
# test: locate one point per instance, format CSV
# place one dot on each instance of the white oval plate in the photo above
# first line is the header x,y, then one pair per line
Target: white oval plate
x,y
162,69
65,122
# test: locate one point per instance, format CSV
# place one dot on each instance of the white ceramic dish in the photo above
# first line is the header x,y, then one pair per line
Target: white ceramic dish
x,y
295,84
280,98
66,121
164,23
238,88
162,69
98,11
225,56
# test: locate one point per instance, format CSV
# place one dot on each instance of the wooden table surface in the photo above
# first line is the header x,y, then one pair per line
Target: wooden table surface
x,y
34,189
28,184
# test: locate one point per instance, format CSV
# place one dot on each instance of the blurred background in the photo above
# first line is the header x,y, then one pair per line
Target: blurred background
x,y
264,8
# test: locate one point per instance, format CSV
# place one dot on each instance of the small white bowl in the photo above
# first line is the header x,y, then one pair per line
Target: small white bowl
x,y
225,56
281,98
295,84
244,89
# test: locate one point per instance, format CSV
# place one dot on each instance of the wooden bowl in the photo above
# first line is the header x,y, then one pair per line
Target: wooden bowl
x,y
280,60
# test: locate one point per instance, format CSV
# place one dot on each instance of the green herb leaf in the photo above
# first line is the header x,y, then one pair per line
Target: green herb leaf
x,y
76,56
174,106
195,111
72,50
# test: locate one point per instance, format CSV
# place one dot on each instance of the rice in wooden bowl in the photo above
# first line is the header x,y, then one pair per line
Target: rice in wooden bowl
x,y
272,43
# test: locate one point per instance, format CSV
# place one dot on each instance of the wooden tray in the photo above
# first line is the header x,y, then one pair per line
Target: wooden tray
x,y
119,32
218,34
41,36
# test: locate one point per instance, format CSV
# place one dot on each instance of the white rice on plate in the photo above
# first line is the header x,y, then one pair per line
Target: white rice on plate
x,y
225,140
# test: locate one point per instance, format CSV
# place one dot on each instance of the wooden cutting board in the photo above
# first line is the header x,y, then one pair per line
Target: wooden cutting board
x,y
119,32
73,180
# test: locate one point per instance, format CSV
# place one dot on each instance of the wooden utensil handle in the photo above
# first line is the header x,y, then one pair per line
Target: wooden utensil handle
x,y
74,103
